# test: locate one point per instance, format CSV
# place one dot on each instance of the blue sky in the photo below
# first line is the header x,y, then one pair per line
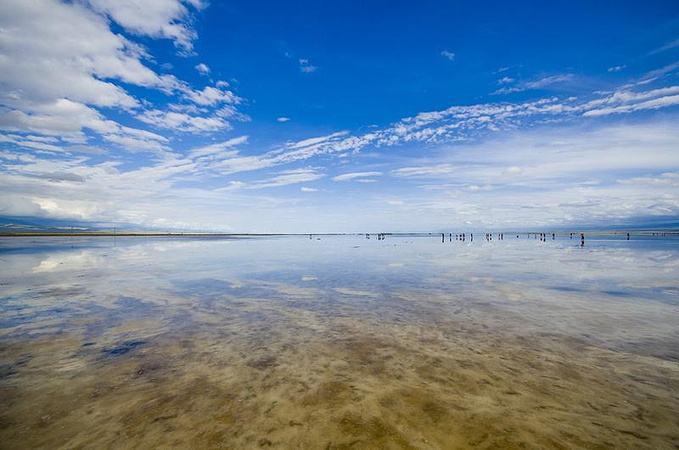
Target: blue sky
x,y
339,116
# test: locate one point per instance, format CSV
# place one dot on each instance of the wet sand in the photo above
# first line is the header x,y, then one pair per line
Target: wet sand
x,y
340,343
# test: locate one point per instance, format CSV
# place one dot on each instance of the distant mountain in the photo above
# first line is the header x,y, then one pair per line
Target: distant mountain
x,y
35,224
638,223
24,224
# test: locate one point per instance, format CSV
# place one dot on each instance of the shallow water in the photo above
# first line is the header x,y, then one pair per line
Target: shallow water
x,y
339,342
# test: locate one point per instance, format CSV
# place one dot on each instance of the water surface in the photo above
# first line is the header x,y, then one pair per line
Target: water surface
x,y
339,342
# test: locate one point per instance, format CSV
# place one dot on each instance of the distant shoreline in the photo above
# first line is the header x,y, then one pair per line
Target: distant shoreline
x,y
139,234
173,234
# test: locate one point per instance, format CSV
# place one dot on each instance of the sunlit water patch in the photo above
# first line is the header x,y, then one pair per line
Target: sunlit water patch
x,y
341,342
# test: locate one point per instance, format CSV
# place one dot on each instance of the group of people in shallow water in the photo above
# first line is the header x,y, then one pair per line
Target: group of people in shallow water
x,y
543,236
380,236
500,236
458,237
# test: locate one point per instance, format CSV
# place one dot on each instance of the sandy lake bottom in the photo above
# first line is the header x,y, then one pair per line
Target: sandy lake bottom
x,y
338,342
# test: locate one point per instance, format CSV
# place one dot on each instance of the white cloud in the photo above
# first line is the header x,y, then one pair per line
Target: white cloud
x,y
282,119
54,50
664,179
218,149
61,117
670,45
294,176
356,176
203,69
548,81
425,171
132,140
539,83
183,122
552,176
306,66
311,142
625,101
61,65
455,124
556,154
654,75
213,95
155,18
308,189
450,56
617,68
213,109
39,146
656,103
285,178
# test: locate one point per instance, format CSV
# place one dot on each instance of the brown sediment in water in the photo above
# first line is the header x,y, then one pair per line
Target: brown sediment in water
x,y
272,364
376,388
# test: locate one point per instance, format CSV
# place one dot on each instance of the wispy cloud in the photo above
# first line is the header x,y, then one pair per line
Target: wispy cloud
x,y
294,176
627,101
654,75
306,66
450,56
669,46
539,83
219,149
358,176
